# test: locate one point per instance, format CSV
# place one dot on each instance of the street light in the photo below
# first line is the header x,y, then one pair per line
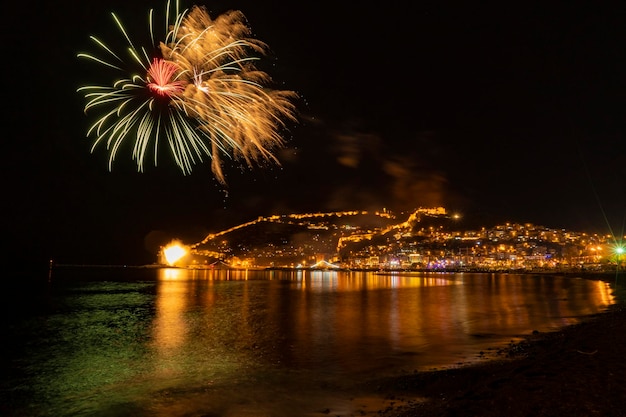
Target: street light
x,y
618,250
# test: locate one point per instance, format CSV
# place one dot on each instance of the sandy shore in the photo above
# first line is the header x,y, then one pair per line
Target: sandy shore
x,y
579,371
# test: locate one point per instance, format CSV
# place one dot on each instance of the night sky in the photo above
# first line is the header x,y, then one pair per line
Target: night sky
x,y
497,112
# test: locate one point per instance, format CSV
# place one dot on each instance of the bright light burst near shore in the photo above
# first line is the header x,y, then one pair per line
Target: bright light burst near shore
x,y
198,90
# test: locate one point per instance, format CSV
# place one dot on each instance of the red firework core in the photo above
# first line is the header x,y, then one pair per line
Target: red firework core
x,y
160,80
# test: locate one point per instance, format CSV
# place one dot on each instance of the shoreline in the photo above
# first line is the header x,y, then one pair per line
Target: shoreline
x,y
577,371
562,271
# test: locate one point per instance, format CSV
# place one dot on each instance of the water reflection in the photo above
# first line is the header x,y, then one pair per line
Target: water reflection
x,y
358,322
170,326
279,343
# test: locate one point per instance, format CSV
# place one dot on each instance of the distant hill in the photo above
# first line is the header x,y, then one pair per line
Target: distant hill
x,y
316,235
427,238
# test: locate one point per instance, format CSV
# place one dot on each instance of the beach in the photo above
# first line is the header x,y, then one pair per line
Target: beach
x,y
579,371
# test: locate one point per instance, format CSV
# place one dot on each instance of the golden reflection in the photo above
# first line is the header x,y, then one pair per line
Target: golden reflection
x,y
357,281
347,318
170,327
605,293
380,314
208,274
168,274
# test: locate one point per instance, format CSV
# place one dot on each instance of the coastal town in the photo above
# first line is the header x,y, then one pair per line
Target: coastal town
x,y
423,239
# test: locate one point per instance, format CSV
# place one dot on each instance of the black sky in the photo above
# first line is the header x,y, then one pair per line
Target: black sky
x,y
500,112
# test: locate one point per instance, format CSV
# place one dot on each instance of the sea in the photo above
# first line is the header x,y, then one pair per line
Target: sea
x,y
127,341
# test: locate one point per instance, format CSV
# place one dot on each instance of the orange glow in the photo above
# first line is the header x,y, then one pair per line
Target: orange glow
x,y
174,252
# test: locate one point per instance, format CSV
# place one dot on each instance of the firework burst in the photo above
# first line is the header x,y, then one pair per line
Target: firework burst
x,y
198,90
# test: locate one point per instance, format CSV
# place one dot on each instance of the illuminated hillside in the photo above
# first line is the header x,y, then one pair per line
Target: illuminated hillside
x,y
304,238
422,239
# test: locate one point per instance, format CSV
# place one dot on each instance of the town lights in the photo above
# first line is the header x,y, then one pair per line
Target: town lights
x,y
618,250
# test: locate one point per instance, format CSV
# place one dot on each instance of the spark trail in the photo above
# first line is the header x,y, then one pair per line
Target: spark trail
x,y
198,90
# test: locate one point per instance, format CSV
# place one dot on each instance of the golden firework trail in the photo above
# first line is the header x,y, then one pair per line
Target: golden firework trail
x,y
199,90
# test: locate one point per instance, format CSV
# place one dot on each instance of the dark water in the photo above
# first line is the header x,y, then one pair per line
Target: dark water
x,y
171,342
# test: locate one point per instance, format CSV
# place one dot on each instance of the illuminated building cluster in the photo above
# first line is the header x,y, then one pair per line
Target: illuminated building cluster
x,y
428,239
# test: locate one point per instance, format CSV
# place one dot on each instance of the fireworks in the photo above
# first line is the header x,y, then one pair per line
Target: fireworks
x,y
198,90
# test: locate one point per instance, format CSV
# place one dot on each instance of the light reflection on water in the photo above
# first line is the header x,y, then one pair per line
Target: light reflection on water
x,y
266,343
